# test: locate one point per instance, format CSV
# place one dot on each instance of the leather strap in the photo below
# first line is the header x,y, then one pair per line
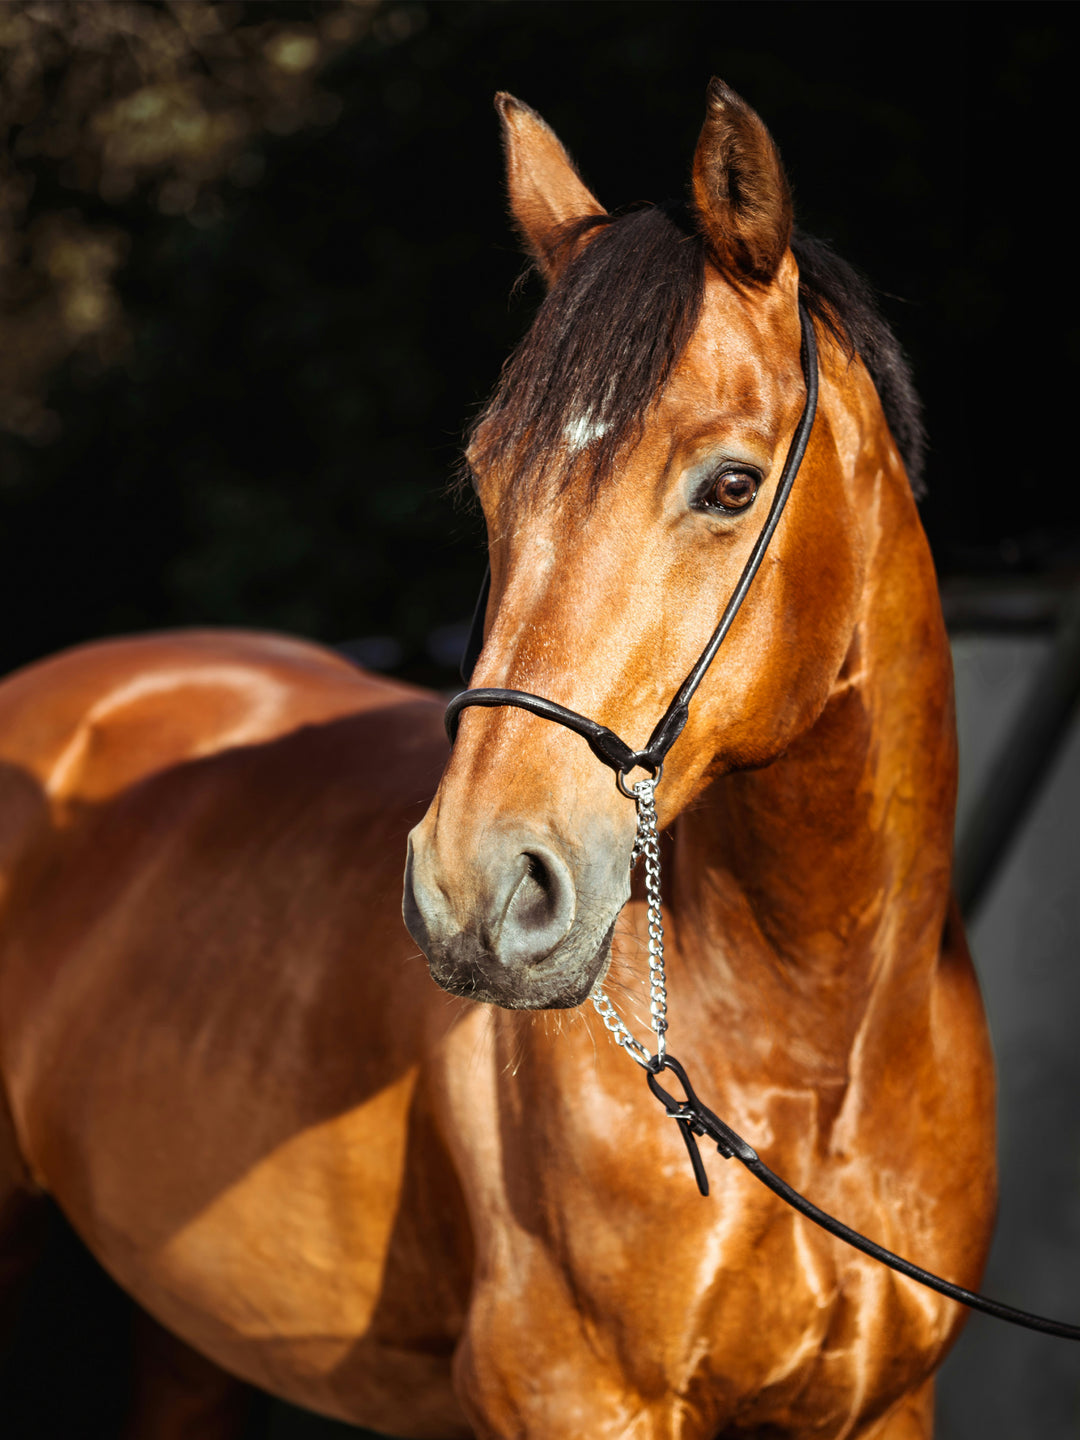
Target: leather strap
x,y
604,743
475,642
694,1118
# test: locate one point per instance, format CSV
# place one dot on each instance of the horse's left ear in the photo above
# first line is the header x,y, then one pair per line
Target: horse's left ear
x,y
740,190
546,192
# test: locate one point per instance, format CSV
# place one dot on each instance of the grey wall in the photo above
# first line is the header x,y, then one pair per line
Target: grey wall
x,y
1001,1381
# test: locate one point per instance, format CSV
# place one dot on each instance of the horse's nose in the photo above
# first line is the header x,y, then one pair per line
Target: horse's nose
x,y
539,911
519,905
508,920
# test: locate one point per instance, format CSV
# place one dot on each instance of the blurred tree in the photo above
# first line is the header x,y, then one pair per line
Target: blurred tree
x,y
214,405
254,272
106,108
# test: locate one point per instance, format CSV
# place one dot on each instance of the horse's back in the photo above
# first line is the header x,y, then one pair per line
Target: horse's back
x,y
202,771
83,732
204,842
93,720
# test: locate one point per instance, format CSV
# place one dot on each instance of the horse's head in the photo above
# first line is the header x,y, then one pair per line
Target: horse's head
x,y
625,467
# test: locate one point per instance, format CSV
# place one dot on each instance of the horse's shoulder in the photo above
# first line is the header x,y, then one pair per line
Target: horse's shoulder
x,y
93,720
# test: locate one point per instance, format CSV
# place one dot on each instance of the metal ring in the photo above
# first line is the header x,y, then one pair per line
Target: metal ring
x,y
658,770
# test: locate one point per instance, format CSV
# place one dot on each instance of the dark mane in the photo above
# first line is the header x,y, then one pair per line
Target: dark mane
x,y
843,301
601,347
612,328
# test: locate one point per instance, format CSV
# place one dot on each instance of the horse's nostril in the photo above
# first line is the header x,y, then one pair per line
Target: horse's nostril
x,y
541,909
531,902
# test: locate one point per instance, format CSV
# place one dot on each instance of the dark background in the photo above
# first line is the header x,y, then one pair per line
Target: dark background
x,y
273,446
270,439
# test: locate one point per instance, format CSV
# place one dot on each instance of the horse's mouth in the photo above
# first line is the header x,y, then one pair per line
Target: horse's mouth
x,y
558,981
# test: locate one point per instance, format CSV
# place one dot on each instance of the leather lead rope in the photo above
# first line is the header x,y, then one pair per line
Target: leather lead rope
x,y
693,1117
696,1119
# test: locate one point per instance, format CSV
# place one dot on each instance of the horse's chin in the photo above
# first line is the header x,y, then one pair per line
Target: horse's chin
x,y
562,979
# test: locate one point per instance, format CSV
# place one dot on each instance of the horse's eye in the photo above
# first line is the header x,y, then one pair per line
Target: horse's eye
x,y
732,491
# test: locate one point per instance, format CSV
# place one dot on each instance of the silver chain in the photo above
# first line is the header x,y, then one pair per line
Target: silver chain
x,y
647,844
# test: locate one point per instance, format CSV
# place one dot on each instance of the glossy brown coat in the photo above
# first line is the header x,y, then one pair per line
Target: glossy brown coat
x,y
224,1057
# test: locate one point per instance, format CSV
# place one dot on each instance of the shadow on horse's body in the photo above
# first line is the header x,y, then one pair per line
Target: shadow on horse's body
x,y
223,1055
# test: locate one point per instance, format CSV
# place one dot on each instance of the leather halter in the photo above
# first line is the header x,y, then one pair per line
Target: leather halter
x,y
605,744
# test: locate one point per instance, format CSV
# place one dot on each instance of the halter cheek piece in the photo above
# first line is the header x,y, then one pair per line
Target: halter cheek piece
x,y
693,1117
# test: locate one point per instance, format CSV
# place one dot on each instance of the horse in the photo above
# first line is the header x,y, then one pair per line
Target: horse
x,y
453,1209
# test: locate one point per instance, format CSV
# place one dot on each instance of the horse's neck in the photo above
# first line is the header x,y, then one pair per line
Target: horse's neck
x,y
823,879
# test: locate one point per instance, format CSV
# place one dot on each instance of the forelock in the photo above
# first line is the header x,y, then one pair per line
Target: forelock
x,y
574,395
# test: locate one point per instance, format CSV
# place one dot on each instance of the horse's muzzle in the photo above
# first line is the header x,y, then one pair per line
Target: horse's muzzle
x,y
511,932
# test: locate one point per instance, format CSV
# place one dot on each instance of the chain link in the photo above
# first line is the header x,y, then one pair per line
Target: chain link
x,y
647,845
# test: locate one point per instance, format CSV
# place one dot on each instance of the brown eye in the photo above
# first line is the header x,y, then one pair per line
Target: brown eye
x,y
733,490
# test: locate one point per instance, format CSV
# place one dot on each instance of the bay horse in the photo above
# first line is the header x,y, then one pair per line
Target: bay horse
x,y
434,1211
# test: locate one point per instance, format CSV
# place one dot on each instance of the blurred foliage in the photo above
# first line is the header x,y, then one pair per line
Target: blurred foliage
x,y
105,104
254,271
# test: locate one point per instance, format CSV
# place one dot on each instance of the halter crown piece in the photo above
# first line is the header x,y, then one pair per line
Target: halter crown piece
x,y
693,1117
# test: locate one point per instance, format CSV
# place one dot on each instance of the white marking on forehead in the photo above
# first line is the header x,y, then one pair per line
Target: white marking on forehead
x,y
582,430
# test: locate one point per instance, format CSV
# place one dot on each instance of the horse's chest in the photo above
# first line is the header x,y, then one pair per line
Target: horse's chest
x,y
741,1313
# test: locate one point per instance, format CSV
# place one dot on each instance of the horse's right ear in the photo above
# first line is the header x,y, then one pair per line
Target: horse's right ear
x,y
546,192
740,190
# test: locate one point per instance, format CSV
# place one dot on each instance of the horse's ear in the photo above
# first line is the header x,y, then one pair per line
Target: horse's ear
x,y
546,192
740,190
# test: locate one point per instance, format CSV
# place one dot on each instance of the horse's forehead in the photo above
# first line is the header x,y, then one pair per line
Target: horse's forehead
x,y
739,367
744,350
